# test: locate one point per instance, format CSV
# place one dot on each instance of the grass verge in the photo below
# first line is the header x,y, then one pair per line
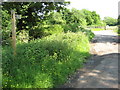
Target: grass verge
x,y
97,29
46,62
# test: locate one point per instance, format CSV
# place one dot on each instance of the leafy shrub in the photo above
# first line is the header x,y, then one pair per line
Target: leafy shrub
x,y
117,30
45,30
23,36
36,32
6,27
55,18
46,62
73,27
88,33
53,29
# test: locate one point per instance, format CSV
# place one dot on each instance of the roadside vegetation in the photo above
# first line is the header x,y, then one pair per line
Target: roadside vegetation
x,y
118,25
110,21
51,43
97,29
46,62
117,31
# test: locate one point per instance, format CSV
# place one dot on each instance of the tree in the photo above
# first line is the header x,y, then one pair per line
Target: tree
x,y
91,17
79,17
73,19
95,17
55,18
110,21
32,13
88,16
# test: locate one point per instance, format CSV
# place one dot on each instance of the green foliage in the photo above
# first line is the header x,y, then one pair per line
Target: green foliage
x,y
74,16
118,24
30,10
88,16
73,27
95,17
97,29
33,14
78,17
67,15
6,27
88,33
55,18
23,36
102,23
110,21
46,62
37,32
45,30
118,31
92,18
47,22
53,29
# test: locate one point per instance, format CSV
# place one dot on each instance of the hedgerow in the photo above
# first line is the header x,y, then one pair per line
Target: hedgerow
x,y
46,62
88,33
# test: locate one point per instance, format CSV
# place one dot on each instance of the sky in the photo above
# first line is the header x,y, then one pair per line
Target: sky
x,y
102,7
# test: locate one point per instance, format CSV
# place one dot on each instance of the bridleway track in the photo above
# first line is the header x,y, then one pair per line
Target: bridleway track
x,y
101,70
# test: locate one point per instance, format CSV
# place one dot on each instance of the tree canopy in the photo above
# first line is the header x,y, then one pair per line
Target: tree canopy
x,y
40,19
32,12
110,21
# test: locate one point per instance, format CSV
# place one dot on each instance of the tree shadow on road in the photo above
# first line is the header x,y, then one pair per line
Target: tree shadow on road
x,y
106,38
100,71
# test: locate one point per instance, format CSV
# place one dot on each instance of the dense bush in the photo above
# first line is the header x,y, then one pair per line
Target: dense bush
x,y
45,30
6,27
88,33
53,22
23,36
46,62
53,29
73,27
55,18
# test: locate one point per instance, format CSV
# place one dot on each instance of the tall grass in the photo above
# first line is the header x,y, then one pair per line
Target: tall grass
x,y
44,63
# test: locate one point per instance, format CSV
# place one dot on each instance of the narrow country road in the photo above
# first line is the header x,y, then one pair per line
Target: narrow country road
x,y
101,70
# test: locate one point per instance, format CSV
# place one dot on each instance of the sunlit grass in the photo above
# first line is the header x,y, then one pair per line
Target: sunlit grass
x,y
97,29
46,62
